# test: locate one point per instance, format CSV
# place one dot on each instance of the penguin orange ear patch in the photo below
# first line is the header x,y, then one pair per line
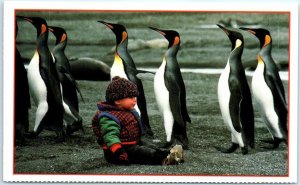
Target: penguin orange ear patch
x,y
43,28
63,37
124,36
176,40
267,40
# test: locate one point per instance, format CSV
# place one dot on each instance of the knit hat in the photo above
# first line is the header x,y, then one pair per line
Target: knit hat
x,y
120,88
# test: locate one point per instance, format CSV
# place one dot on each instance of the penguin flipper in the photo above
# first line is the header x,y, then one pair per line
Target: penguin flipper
x,y
175,85
175,104
235,103
144,71
70,78
279,101
277,88
240,104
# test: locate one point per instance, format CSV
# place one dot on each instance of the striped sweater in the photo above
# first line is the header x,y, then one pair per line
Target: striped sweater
x,y
112,125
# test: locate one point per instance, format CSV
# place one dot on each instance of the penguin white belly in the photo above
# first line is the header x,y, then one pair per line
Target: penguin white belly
x,y
162,98
68,113
117,69
224,97
38,89
264,97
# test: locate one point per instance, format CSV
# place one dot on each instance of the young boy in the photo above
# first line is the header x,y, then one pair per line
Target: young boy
x,y
118,128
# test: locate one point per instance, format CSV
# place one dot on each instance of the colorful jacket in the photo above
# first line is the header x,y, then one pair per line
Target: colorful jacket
x,y
112,125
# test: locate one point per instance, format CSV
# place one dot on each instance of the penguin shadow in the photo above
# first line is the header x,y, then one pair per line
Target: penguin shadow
x,y
265,145
262,145
48,137
234,148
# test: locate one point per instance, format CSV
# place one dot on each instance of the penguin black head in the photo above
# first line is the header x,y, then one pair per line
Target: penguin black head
x,y
60,34
118,29
39,23
263,35
233,36
171,35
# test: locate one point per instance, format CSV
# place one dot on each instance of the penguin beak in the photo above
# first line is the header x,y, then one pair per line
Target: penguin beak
x,y
248,30
106,24
25,18
224,29
50,29
158,30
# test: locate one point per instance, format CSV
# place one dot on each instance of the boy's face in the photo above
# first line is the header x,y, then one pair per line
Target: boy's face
x,y
126,103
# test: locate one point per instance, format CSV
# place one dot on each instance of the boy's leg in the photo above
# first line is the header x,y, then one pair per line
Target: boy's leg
x,y
108,155
146,155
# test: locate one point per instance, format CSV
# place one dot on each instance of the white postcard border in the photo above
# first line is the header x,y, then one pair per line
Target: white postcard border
x,y
8,52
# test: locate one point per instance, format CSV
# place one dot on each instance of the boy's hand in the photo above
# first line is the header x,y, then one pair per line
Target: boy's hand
x,y
121,156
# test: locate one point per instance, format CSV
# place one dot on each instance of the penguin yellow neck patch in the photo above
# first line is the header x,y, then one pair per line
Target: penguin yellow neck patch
x,y
118,60
267,40
259,60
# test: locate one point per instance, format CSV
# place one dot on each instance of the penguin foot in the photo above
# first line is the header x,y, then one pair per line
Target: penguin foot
x,y
252,145
61,136
244,150
185,147
20,141
73,128
270,141
231,149
31,135
275,143
166,145
182,140
149,133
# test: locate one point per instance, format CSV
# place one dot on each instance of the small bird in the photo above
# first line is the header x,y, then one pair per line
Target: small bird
x,y
69,86
268,89
124,67
235,97
170,92
44,83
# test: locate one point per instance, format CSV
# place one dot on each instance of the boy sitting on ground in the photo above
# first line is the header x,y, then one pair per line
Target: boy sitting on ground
x,y
118,128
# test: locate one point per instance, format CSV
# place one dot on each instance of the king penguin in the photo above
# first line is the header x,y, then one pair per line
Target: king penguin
x,y
170,92
235,97
44,84
69,86
268,89
124,66
22,97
